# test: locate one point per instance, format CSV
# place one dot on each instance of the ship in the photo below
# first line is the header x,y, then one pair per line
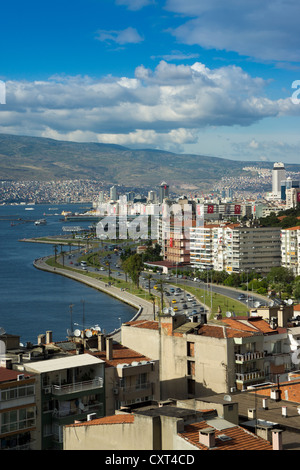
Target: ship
x,y
40,222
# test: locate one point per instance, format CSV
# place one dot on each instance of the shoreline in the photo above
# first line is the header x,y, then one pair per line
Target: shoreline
x,y
143,307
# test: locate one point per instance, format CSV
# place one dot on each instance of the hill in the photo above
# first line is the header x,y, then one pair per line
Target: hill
x,y
43,159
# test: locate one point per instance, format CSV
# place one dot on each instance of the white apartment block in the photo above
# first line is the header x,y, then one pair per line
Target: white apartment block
x,y
292,198
234,248
290,249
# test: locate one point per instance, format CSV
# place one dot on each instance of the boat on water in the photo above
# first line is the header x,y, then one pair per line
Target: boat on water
x,y
40,222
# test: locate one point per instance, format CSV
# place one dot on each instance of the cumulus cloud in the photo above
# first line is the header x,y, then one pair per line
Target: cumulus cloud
x,y
162,107
267,30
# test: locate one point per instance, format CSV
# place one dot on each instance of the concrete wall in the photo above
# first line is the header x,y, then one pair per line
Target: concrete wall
x,y
142,434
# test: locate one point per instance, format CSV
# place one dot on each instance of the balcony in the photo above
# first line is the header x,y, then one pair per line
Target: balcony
x,y
250,356
77,386
250,376
78,411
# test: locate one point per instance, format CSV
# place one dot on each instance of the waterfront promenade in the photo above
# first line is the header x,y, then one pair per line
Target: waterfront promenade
x,y
143,307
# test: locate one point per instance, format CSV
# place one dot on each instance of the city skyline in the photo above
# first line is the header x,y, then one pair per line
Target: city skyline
x,y
188,77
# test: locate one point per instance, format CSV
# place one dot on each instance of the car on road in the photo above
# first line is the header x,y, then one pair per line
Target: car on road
x,y
241,297
194,312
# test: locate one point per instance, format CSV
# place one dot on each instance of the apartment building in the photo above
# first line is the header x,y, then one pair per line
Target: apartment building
x,y
292,198
197,359
17,409
130,377
165,427
252,248
235,248
68,385
290,249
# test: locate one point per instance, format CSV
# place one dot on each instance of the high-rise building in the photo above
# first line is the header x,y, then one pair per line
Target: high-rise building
x,y
163,191
278,175
288,184
113,193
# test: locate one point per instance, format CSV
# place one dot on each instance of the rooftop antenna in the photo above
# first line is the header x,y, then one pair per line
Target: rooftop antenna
x,y
83,313
71,315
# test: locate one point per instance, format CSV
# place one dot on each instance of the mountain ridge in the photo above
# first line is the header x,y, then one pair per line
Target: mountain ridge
x,y
44,159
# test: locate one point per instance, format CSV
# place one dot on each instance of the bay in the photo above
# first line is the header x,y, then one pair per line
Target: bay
x,y
33,301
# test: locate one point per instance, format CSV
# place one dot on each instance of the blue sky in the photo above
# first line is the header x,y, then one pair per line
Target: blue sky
x,y
211,78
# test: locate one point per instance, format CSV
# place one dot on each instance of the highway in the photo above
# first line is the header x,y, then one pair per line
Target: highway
x,y
178,301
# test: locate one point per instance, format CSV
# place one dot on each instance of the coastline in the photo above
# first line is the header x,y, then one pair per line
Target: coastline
x,y
143,307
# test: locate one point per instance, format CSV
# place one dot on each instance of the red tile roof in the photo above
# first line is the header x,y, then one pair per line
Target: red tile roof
x,y
121,355
150,325
9,375
240,439
114,419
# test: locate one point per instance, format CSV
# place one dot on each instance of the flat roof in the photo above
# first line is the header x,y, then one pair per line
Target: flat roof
x,y
49,365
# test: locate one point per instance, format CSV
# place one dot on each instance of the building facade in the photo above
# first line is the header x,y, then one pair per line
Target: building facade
x,y
290,249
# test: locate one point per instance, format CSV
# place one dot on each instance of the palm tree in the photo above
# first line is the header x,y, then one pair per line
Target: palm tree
x,y
149,277
55,252
152,298
160,289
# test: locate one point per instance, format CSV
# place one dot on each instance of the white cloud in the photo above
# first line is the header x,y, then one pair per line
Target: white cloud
x,y
135,4
125,36
162,107
267,30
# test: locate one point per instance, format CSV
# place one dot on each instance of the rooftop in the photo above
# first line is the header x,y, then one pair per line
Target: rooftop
x,y
66,362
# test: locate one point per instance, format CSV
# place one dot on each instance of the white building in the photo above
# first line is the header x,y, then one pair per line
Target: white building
x,y
290,249
234,248
278,175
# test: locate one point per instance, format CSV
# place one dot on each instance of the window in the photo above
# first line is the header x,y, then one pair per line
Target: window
x,y
190,349
141,381
17,419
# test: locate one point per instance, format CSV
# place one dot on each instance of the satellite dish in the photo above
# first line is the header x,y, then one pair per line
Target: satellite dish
x,y
88,333
171,311
290,302
69,332
272,304
77,333
228,314
227,398
2,331
256,304
165,310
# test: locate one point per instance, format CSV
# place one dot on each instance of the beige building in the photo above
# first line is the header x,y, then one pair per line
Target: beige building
x,y
130,377
198,359
166,428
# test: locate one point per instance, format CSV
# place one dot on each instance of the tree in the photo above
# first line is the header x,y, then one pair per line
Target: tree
x,y
133,265
280,275
149,277
296,288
